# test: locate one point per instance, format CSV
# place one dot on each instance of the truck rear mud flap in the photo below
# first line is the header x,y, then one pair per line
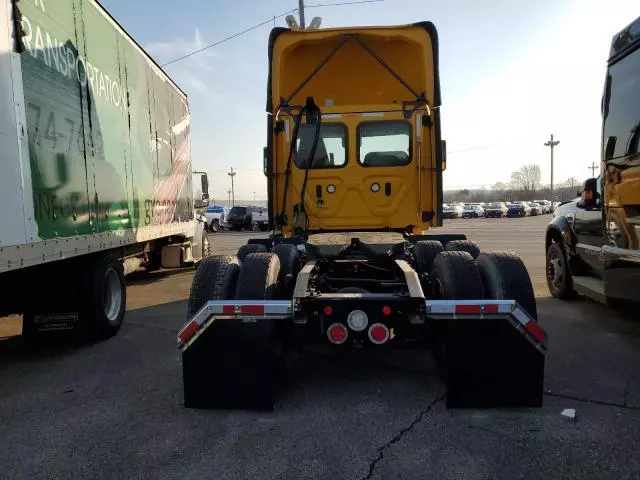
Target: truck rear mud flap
x,y
489,353
227,354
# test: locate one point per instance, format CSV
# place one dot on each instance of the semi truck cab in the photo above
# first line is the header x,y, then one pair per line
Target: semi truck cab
x,y
593,242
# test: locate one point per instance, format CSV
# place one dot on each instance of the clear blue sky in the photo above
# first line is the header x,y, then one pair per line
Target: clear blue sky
x,y
512,72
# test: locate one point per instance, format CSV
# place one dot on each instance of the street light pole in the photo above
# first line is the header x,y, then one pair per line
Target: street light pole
x,y
551,144
593,169
233,193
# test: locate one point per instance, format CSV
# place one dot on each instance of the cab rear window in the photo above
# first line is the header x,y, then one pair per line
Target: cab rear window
x,y
384,144
331,151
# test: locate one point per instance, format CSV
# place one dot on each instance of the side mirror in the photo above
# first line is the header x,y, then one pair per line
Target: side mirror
x,y
204,181
443,154
589,196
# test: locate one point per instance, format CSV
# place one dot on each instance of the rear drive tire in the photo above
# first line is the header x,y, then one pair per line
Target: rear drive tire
x,y
289,266
455,276
425,252
245,250
258,276
215,279
504,277
463,246
558,275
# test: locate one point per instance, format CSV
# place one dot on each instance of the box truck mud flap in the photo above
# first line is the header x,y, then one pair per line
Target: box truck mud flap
x,y
489,353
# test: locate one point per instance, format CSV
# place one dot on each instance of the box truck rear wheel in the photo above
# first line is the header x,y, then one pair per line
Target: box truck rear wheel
x,y
107,301
504,277
215,279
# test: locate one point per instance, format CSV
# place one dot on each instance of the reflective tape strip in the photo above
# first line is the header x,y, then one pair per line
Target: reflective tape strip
x,y
237,309
469,307
521,316
536,331
188,331
477,309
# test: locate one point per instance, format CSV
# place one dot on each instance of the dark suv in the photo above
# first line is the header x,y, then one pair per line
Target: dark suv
x,y
240,217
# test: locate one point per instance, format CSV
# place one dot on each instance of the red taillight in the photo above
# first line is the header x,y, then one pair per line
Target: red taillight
x,y
328,310
386,310
337,333
378,333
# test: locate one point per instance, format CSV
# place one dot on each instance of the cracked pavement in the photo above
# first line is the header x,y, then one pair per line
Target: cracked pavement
x,y
113,410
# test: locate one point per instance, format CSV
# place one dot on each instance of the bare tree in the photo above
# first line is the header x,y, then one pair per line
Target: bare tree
x,y
572,182
527,178
500,187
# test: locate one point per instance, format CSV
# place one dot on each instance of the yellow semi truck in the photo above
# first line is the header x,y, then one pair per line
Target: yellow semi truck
x,y
354,164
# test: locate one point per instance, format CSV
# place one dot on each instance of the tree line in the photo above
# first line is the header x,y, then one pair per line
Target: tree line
x,y
525,185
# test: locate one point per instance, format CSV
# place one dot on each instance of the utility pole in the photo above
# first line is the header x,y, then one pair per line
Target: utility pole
x,y
229,192
593,169
254,197
233,193
301,11
551,144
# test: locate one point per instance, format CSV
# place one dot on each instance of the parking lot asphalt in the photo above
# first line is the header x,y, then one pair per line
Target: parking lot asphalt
x,y
114,409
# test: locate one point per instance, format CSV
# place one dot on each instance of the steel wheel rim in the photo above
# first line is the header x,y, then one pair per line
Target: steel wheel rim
x,y
555,271
112,295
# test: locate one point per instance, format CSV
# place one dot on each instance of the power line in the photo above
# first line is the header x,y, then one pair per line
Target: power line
x,y
314,5
231,37
261,24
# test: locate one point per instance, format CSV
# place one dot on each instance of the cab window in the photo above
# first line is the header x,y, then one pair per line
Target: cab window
x,y
621,108
384,144
331,151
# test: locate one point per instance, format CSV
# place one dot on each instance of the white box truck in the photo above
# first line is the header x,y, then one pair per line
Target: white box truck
x,y
96,174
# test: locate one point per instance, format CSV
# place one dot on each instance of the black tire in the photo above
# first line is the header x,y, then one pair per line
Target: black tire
x,y
245,250
424,253
215,225
289,262
105,306
215,279
560,286
455,276
505,277
463,246
258,277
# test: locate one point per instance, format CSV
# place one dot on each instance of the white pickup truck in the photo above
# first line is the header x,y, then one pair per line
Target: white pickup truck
x,y
260,220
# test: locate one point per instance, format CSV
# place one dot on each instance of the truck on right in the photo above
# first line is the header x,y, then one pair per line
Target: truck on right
x,y
593,242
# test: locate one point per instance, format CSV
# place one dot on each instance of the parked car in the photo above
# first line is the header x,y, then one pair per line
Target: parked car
x,y
536,208
495,210
545,205
450,211
519,209
241,217
216,216
472,211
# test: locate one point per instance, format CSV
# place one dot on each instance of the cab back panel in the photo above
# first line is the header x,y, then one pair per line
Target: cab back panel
x,y
353,88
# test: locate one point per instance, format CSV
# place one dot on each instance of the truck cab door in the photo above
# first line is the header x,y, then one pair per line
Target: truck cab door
x,y
589,232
